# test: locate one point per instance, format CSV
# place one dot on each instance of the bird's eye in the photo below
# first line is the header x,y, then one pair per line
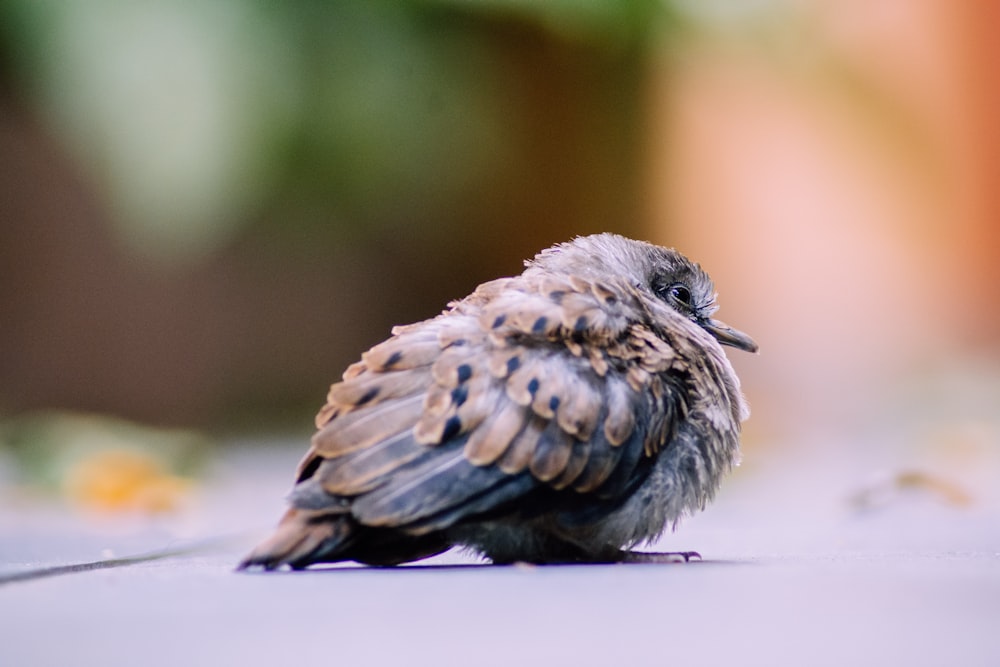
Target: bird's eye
x,y
680,293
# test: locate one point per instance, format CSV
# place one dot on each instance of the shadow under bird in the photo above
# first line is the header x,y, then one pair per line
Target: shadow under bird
x,y
564,415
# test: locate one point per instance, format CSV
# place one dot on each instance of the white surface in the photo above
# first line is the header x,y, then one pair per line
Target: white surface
x,y
792,576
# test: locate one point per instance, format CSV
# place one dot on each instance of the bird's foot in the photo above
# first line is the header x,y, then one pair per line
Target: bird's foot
x,y
665,557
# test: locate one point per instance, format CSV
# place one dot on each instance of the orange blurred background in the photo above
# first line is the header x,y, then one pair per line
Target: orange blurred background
x,y
841,184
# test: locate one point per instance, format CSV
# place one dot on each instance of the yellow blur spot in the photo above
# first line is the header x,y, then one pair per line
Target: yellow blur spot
x,y
893,489
121,480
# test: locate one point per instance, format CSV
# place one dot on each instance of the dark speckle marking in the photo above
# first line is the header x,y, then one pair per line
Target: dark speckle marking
x,y
557,295
554,403
451,428
533,386
367,396
394,359
310,469
513,364
459,395
464,372
580,325
539,325
498,322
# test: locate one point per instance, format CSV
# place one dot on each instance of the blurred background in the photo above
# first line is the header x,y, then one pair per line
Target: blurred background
x,y
207,210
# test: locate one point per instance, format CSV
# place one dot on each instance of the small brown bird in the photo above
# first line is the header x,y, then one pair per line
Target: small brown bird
x,y
567,414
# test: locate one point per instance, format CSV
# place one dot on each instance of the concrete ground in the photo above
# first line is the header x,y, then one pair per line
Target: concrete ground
x,y
808,560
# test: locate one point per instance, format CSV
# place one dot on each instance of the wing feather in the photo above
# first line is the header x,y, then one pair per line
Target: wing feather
x,y
579,457
521,387
517,457
370,467
363,428
552,453
489,442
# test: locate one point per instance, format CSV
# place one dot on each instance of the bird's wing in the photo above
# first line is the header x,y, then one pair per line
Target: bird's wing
x,y
525,384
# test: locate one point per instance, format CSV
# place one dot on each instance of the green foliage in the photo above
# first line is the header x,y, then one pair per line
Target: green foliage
x,y
194,119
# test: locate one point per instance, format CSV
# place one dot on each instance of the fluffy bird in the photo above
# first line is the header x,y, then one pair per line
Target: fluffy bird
x,y
564,415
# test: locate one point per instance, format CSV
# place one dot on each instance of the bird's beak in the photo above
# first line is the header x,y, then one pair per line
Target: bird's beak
x,y
726,335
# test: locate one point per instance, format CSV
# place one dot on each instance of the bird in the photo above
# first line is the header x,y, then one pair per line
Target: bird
x,y
568,414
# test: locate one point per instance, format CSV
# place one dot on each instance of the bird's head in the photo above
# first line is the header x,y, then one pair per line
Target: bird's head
x,y
660,274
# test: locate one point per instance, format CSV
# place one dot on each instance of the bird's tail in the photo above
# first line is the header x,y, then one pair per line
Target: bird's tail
x,y
302,537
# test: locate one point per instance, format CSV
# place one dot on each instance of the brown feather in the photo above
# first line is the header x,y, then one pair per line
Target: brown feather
x,y
527,379
488,443
437,424
577,462
354,370
365,469
480,401
504,361
620,419
363,428
552,453
578,283
577,415
490,290
403,352
518,456
600,464
604,294
522,313
373,386
452,412
454,366
549,397
458,330
553,286
437,401
576,309
637,378
299,534
598,361
326,413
